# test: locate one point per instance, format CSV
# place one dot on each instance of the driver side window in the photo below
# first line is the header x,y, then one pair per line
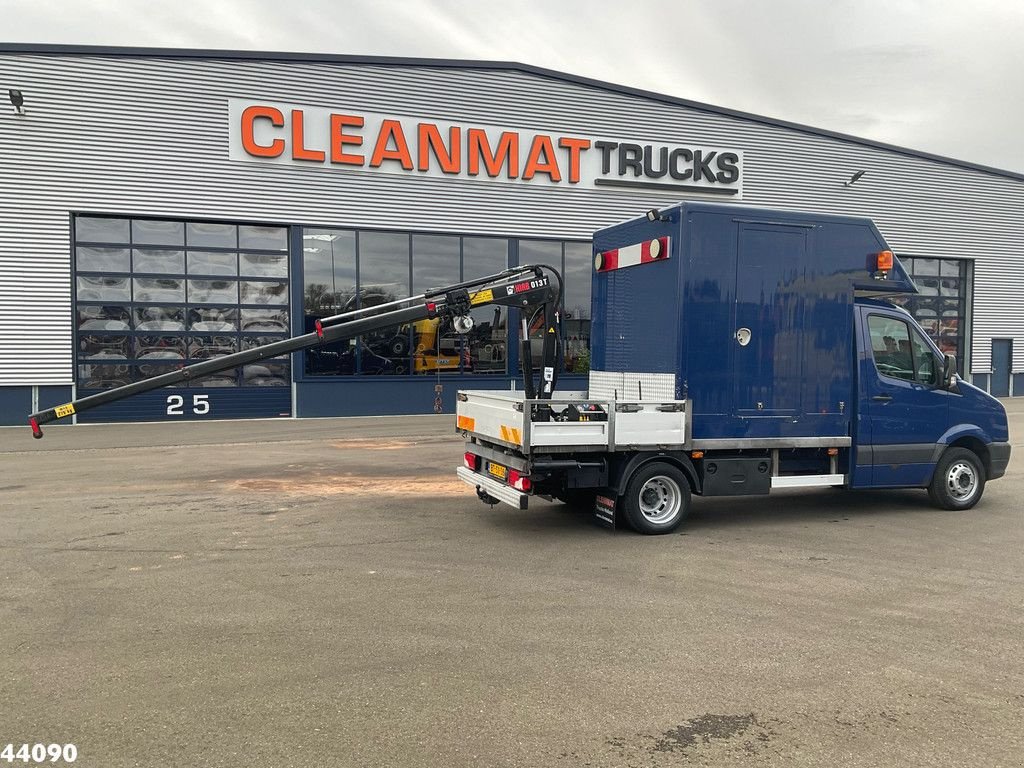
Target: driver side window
x,y
900,352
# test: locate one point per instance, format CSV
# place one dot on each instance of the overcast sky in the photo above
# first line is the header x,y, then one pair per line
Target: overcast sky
x,y
941,76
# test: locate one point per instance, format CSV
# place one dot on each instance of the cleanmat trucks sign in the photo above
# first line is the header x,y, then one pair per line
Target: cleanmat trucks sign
x,y
289,134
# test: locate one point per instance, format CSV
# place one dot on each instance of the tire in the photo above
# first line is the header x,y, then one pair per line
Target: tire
x,y
657,498
959,480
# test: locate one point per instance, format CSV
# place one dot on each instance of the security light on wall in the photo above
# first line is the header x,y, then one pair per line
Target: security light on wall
x,y
854,179
17,99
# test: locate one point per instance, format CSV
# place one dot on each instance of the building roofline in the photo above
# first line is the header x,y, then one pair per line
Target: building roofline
x,y
399,61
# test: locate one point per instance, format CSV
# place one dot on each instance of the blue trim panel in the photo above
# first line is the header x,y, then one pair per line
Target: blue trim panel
x,y
397,61
16,402
15,405
224,403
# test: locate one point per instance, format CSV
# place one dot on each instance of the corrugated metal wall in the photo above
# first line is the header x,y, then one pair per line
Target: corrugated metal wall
x,y
148,135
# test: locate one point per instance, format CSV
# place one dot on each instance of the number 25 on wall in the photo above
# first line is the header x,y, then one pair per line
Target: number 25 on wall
x,y
176,405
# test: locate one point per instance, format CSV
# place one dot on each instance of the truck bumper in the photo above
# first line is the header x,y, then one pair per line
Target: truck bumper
x,y
500,491
999,457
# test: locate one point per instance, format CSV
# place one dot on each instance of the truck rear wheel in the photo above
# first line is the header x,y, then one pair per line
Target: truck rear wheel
x,y
657,498
959,480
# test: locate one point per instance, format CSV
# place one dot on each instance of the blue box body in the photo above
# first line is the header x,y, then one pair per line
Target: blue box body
x,y
787,277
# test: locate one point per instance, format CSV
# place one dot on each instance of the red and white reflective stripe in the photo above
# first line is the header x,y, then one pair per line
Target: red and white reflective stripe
x,y
631,255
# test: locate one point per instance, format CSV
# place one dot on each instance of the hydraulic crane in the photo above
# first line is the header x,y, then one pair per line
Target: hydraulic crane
x,y
536,290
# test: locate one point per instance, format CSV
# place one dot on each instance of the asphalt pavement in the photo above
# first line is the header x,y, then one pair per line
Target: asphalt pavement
x,y
324,593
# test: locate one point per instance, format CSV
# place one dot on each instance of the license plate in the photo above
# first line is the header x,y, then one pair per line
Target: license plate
x,y
497,470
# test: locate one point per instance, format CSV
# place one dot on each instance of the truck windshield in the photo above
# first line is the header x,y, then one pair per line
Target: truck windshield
x,y
901,352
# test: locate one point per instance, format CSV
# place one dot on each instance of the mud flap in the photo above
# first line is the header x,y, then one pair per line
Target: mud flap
x,y
604,508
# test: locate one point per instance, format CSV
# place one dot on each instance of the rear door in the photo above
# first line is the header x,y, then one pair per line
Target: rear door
x,y
901,397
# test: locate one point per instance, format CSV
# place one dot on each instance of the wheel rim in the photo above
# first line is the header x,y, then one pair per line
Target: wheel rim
x,y
661,498
962,481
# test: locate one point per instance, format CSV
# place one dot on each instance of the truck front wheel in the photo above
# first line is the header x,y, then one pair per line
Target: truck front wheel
x,y
657,498
959,480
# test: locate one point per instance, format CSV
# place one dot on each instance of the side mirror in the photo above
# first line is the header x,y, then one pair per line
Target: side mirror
x,y
949,370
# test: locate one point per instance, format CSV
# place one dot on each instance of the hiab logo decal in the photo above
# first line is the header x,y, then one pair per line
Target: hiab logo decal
x,y
356,140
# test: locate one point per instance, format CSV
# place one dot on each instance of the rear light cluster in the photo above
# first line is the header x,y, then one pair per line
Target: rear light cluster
x,y
472,461
519,481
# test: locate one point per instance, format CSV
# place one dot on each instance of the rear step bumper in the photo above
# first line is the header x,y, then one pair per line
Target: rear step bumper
x,y
500,491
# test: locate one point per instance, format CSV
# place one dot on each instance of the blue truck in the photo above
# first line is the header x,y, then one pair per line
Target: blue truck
x,y
736,351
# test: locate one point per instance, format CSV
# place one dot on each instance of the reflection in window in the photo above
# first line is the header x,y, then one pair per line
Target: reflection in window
x,y
104,318
251,342
207,347
205,234
264,292
159,318
160,348
102,259
151,232
263,264
155,289
104,347
577,276
435,262
92,376
213,319
103,288
212,291
158,260
265,320
263,238
98,229
267,374
212,263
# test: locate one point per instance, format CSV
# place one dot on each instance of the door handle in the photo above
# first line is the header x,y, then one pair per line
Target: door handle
x,y
882,398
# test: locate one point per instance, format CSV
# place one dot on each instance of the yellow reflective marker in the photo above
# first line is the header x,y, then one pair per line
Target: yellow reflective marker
x,y
64,410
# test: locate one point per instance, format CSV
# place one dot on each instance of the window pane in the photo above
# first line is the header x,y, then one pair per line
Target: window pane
x,y
103,288
212,235
384,264
149,370
435,262
158,289
212,291
209,347
329,272
263,238
150,232
101,230
265,320
251,342
213,319
160,348
266,264
267,374
222,379
104,319
160,318
541,252
926,266
103,260
264,292
482,256
890,343
212,263
104,347
153,260
486,344
92,376
576,322
926,369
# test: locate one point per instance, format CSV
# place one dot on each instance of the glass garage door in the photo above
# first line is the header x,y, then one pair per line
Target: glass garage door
x,y
151,296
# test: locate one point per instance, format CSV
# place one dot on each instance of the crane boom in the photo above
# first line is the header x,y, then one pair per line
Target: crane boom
x,y
521,287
